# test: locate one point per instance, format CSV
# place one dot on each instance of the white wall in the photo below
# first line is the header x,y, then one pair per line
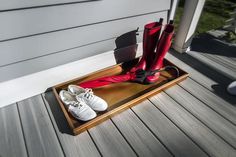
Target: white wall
x,y
38,35
43,43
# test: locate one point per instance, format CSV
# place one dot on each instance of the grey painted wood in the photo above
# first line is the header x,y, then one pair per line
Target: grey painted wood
x,y
218,67
109,140
207,75
233,59
216,103
40,136
209,117
141,139
228,60
196,75
45,44
39,20
14,4
12,140
80,145
52,60
222,60
203,75
204,137
173,138
38,128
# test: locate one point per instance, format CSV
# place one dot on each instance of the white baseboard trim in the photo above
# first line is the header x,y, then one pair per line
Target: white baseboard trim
x,y
30,85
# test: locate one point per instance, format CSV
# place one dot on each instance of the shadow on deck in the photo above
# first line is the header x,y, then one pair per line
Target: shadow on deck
x,y
206,48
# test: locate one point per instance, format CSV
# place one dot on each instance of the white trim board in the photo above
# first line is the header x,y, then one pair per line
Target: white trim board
x,y
30,85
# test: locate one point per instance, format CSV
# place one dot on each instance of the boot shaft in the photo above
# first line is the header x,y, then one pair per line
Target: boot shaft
x,y
163,46
151,35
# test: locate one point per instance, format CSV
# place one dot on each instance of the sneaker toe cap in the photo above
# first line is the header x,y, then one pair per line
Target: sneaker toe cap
x,y
232,88
100,105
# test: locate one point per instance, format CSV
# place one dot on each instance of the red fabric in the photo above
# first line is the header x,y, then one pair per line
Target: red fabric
x,y
107,80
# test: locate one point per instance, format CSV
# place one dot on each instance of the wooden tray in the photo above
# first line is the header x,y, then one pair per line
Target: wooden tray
x,y
119,96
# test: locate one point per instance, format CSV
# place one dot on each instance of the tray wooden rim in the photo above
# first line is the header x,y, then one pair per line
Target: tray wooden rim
x,y
109,114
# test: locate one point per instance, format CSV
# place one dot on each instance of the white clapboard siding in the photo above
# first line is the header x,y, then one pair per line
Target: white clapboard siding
x,y
40,81
45,19
40,45
7,5
55,59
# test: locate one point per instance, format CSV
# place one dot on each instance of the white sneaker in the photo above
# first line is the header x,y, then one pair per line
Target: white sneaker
x,y
76,106
232,88
95,102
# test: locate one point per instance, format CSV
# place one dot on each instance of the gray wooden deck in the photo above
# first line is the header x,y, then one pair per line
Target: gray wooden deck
x,y
194,118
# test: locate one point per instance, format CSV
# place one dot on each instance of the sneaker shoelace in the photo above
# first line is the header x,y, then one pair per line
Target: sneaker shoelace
x,y
88,93
77,104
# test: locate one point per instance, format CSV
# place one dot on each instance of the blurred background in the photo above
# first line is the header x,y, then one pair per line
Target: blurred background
x,y
217,15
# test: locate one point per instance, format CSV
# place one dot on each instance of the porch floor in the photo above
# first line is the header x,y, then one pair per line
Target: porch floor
x,y
194,118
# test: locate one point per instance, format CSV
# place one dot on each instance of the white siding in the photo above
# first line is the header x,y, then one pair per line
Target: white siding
x,y
35,36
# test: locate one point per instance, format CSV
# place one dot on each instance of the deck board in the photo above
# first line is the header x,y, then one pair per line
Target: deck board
x,y
207,77
109,140
81,145
141,139
195,118
11,137
212,100
203,136
40,136
209,117
212,63
166,131
224,61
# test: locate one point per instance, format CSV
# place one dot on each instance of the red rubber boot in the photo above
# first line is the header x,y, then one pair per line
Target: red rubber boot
x,y
150,38
162,48
151,35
